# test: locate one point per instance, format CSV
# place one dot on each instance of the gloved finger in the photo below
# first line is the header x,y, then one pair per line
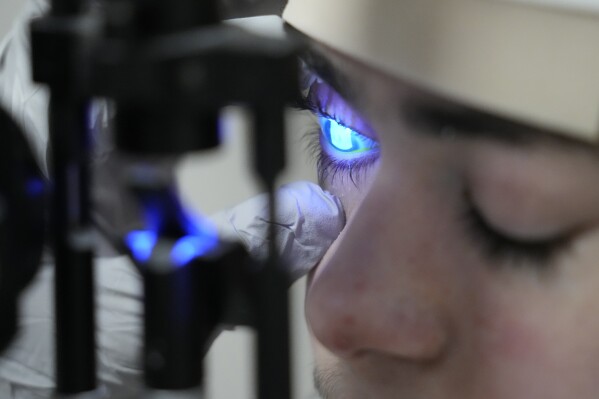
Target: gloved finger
x,y
308,220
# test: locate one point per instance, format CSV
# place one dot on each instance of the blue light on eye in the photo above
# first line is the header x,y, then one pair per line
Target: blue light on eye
x,y
341,136
343,139
141,243
188,248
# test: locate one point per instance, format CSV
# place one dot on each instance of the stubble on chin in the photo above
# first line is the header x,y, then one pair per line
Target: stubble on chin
x,y
330,383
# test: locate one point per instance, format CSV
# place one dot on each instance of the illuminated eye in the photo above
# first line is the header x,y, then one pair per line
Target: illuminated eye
x,y
341,140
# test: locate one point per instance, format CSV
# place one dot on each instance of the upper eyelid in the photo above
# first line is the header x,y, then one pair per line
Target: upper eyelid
x,y
306,102
374,143
318,111
308,76
321,67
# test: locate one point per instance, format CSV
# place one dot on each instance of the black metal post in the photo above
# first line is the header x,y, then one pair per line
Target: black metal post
x,y
173,348
55,50
72,234
272,318
67,7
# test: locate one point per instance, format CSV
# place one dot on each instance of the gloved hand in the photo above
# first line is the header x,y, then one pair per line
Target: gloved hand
x,y
308,221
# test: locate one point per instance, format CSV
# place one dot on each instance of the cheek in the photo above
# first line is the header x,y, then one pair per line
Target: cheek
x,y
536,337
351,192
503,335
349,196
316,271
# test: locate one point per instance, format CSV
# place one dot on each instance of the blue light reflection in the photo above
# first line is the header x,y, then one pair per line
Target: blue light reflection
x,y
189,248
141,243
191,237
35,187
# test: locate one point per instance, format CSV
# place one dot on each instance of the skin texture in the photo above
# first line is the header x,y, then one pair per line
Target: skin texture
x,y
410,303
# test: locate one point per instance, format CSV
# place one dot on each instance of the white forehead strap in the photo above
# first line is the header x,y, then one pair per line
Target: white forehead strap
x,y
536,61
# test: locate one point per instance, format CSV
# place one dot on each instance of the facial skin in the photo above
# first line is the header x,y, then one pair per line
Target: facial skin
x,y
415,299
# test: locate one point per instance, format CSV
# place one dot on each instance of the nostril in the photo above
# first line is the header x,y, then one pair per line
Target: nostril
x,y
330,320
340,343
340,340
336,333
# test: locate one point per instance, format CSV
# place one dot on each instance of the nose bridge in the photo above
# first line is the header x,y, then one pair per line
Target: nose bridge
x,y
371,294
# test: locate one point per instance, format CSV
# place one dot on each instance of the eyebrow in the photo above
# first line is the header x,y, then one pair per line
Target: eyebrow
x,y
434,116
441,118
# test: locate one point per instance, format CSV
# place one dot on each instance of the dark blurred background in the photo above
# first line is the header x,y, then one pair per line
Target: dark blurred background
x,y
247,8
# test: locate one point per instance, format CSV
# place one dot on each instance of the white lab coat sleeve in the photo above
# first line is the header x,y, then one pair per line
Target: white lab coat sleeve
x,y
27,367
26,101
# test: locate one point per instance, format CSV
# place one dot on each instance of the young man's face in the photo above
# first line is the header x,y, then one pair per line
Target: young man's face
x,y
468,267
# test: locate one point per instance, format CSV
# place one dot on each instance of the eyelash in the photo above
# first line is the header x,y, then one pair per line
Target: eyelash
x,y
328,167
505,250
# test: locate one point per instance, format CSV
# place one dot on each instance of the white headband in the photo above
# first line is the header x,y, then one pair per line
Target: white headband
x,y
536,61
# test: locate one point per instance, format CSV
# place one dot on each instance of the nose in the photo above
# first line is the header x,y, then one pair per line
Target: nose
x,y
373,291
